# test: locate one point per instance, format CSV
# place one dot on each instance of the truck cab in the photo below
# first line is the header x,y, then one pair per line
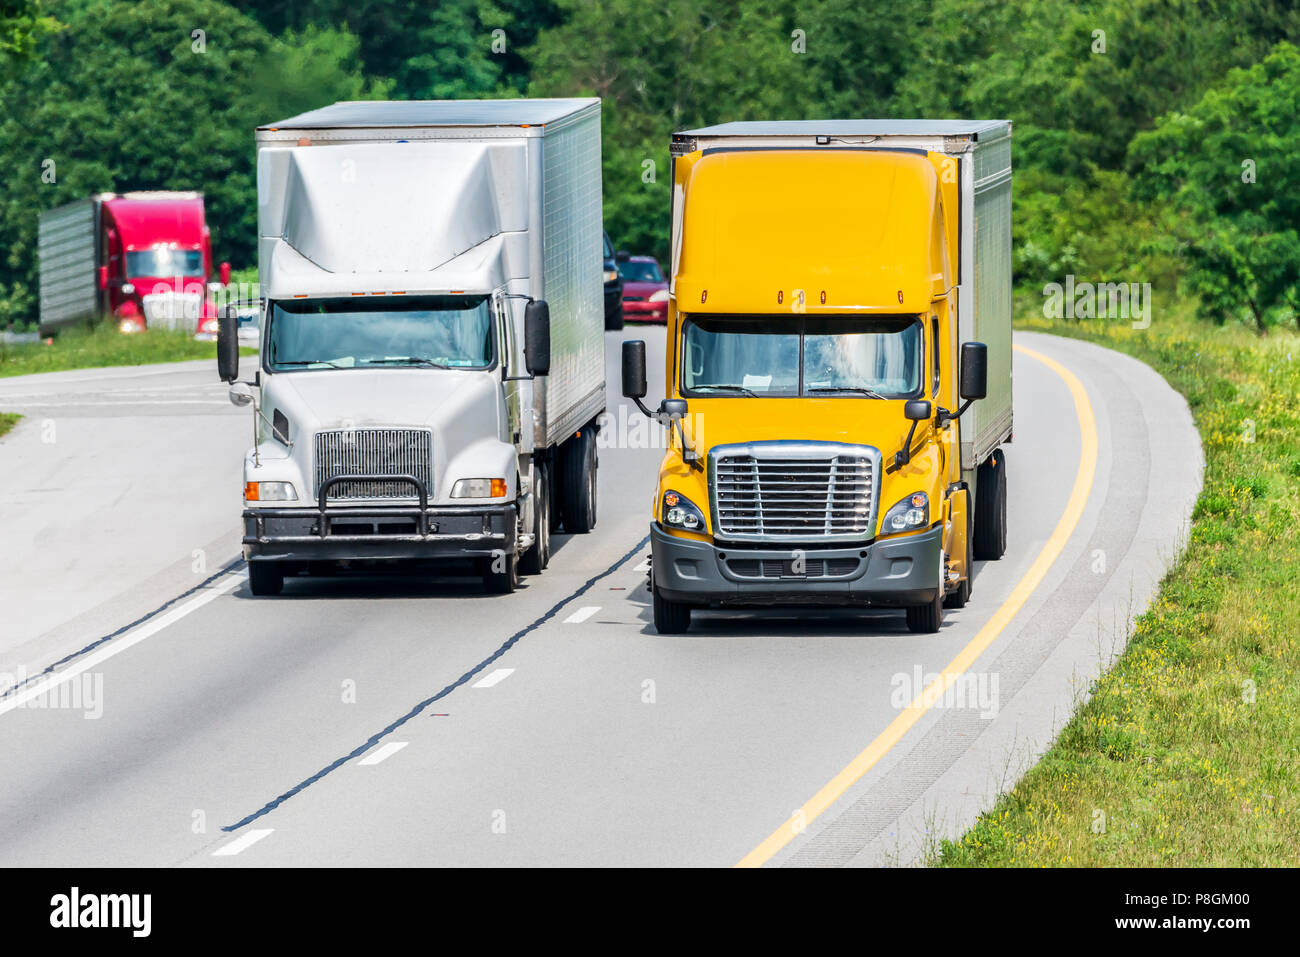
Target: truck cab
x,y
819,376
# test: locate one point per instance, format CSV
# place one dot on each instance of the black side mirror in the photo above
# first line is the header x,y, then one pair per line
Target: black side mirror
x,y
228,345
537,337
918,410
634,386
622,255
674,409
974,370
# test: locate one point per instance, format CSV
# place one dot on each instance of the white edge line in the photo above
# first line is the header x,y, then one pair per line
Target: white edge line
x,y
496,677
385,751
243,842
119,645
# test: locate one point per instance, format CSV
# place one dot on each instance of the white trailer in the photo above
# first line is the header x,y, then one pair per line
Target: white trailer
x,y
432,363
981,153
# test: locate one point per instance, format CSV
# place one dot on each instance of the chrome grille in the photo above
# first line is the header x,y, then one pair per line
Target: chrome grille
x,y
794,491
374,452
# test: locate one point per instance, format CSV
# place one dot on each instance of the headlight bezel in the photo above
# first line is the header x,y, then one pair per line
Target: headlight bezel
x,y
904,510
482,488
689,517
272,491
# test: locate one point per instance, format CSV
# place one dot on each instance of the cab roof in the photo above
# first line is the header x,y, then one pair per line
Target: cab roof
x,y
855,128
363,114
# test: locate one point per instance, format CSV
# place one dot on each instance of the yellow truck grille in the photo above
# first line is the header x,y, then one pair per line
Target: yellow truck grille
x,y
796,492
374,452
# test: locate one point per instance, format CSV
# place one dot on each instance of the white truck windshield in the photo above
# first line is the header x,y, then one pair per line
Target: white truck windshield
x,y
791,356
451,332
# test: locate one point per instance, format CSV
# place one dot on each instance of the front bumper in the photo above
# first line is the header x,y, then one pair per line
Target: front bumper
x,y
378,532
891,573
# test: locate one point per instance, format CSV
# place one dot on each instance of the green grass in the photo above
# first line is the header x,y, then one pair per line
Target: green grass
x,y
103,346
7,421
1190,745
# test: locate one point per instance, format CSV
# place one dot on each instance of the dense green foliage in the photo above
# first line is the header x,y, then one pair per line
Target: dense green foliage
x,y
1132,117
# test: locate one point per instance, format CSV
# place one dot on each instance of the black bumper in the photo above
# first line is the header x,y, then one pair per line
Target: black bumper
x,y
378,532
892,573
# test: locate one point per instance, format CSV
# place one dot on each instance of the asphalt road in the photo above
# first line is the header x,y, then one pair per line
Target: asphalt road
x,y
409,721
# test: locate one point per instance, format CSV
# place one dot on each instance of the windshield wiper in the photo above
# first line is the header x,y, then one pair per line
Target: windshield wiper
x,y
725,388
845,388
306,362
407,361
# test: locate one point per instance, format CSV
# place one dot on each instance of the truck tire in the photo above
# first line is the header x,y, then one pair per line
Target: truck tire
x,y
503,581
991,508
614,320
265,578
535,560
671,617
926,619
578,491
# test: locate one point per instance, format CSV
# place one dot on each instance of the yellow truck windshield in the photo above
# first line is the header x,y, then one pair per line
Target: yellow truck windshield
x,y
789,356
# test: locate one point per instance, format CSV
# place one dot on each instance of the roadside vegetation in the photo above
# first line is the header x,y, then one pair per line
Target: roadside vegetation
x,y
104,346
1189,746
7,421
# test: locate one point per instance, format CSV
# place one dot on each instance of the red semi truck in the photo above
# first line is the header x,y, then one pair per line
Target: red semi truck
x,y
140,260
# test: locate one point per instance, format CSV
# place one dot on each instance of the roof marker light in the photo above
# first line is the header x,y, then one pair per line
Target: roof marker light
x,y
780,296
704,294
823,297
900,296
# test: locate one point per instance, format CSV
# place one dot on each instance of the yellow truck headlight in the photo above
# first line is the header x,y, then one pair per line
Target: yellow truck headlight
x,y
680,512
911,513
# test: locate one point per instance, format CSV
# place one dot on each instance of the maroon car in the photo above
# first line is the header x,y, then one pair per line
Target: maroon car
x,y
645,290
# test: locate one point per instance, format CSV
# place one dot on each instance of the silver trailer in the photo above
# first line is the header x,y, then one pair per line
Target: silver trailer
x,y
432,361
981,152
68,248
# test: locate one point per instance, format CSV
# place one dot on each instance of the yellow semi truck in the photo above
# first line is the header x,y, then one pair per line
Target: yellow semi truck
x,y
838,371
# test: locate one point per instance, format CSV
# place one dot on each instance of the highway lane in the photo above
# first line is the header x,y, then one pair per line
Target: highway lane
x,y
602,742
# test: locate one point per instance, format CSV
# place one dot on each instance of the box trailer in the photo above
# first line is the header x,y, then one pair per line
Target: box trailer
x,y
432,362
840,317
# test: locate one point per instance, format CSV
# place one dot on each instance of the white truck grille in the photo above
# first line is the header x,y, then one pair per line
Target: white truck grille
x,y
794,491
374,452
171,310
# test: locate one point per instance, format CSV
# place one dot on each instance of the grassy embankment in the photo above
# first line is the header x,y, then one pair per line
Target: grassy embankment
x,y
1190,745
99,348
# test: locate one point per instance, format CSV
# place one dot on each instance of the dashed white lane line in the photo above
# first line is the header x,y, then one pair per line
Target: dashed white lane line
x,y
495,678
581,615
119,645
387,751
242,843
643,567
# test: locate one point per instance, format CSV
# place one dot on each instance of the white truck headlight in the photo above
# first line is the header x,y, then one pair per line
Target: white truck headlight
x,y
611,275
680,512
908,515
269,492
479,488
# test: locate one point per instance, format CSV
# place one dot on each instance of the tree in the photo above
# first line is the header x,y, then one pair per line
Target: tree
x,y
1228,165
163,98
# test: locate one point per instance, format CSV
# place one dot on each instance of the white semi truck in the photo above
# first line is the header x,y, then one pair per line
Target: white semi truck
x,y
432,361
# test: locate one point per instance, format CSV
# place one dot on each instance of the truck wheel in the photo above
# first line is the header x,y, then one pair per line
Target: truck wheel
x,y
535,560
926,619
671,617
579,489
614,320
500,574
265,578
991,508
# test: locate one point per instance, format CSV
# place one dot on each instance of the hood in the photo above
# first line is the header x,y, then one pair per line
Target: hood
x,y
366,398
856,420
643,289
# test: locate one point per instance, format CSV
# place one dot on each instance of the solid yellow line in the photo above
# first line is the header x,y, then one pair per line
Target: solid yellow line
x,y
933,693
